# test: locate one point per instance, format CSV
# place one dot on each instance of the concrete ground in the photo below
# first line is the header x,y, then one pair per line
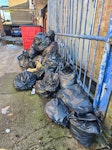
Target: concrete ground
x,y
25,126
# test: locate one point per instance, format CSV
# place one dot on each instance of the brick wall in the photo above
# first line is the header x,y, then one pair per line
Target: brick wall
x,y
20,17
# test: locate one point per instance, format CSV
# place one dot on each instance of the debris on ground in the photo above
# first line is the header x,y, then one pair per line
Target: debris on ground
x,y
7,131
33,91
5,110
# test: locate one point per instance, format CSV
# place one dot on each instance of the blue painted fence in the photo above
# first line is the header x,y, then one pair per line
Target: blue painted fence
x,y
73,22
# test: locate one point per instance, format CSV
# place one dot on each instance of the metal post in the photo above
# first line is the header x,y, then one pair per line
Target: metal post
x,y
104,87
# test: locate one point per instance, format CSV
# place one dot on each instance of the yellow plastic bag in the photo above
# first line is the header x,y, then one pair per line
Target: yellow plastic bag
x,y
38,66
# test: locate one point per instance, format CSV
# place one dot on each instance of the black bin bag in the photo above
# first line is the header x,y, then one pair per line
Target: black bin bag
x,y
40,73
51,61
49,85
40,89
50,64
51,57
52,49
84,128
68,76
57,111
24,61
75,98
41,41
33,53
51,35
51,81
24,80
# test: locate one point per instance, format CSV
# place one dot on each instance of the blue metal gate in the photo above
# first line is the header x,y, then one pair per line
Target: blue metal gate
x,y
75,24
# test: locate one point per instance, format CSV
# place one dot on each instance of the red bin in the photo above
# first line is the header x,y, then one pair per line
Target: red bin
x,y
28,34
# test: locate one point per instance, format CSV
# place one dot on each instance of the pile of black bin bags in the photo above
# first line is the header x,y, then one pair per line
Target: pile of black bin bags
x,y
54,78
